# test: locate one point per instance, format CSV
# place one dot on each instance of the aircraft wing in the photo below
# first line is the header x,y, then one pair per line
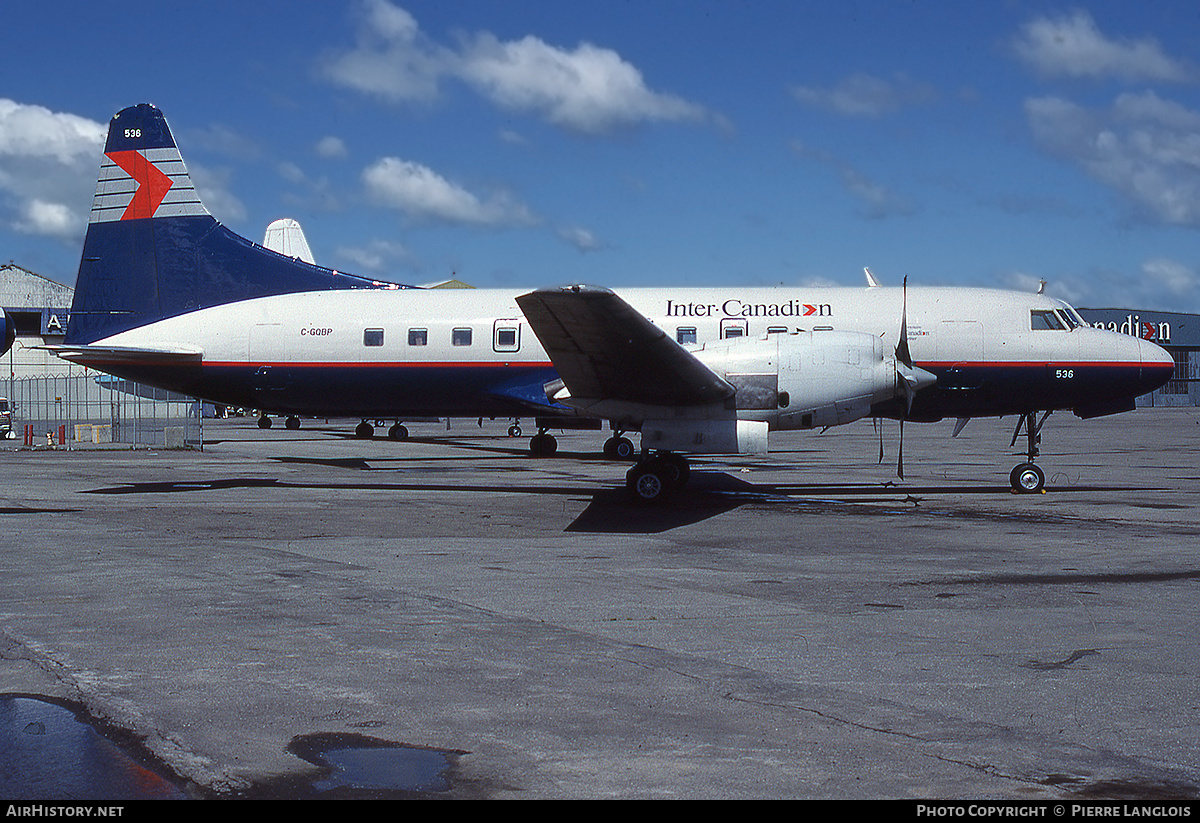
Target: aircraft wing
x,y
602,348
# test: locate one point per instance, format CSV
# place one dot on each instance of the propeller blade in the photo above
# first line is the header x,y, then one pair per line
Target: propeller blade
x,y
900,457
902,353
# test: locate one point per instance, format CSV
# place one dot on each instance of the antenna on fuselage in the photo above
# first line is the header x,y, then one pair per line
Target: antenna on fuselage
x,y
872,283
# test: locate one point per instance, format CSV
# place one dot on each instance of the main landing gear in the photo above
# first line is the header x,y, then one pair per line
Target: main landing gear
x,y
656,477
365,431
1027,478
291,422
542,444
619,447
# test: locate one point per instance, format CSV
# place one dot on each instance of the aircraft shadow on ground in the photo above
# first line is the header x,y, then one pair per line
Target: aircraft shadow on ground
x,y
609,509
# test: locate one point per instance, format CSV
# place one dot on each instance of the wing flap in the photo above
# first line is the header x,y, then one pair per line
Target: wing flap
x,y
602,348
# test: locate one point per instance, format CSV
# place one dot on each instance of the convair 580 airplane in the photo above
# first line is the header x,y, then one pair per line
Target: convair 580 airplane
x,y
169,297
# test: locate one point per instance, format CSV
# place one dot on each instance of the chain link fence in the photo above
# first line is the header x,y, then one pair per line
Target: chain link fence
x,y
96,409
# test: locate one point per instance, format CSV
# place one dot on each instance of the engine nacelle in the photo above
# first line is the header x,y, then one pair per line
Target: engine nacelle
x,y
722,436
805,380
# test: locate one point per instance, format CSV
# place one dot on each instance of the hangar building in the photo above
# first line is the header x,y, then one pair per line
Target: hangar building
x,y
1176,332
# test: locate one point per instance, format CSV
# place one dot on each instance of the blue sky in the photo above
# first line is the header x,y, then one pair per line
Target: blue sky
x,y
665,142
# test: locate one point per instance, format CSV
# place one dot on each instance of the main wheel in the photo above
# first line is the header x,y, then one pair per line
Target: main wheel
x,y
293,422
647,482
542,445
619,448
264,422
364,430
1027,478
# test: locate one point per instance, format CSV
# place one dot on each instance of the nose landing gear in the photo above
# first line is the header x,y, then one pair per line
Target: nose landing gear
x,y
1027,478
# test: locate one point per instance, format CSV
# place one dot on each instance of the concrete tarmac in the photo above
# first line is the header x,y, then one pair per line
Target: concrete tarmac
x,y
795,625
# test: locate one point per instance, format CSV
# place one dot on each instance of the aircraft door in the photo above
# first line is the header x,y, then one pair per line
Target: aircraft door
x,y
265,356
959,347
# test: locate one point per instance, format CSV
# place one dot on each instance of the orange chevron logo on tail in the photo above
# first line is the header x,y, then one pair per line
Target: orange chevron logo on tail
x,y
153,185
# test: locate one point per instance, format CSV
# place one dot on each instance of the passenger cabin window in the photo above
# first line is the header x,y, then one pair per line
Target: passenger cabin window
x,y
734,331
1045,320
685,335
777,330
460,337
418,337
372,337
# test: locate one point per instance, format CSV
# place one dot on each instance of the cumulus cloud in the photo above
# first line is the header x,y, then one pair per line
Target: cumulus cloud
x,y
47,169
1073,46
1144,147
422,193
864,95
589,89
34,131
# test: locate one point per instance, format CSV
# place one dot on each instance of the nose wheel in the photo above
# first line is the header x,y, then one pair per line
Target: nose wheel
x,y
1028,478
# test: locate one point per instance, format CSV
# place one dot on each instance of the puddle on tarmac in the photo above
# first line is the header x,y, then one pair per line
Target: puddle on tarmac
x,y
48,751
360,766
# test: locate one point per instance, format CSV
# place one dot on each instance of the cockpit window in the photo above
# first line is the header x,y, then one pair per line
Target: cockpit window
x,y
1068,318
1046,320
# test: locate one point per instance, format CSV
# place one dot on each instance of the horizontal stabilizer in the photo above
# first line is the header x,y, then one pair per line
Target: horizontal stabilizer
x,y
156,355
602,347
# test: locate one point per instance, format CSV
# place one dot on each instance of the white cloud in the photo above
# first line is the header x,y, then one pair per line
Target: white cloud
x,y
420,192
877,200
1174,278
377,256
578,237
332,148
1073,46
391,59
590,89
1145,147
34,131
50,219
48,162
863,95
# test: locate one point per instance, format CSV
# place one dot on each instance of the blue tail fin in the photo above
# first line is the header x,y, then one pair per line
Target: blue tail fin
x,y
153,251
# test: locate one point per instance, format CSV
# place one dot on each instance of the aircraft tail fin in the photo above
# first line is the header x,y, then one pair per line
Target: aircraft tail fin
x,y
152,249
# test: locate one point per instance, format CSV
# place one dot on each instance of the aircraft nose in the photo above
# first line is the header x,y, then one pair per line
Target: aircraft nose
x,y
1158,366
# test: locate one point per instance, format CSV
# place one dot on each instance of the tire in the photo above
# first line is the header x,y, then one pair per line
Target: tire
x,y
264,422
364,430
619,448
543,445
1027,478
398,432
646,483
